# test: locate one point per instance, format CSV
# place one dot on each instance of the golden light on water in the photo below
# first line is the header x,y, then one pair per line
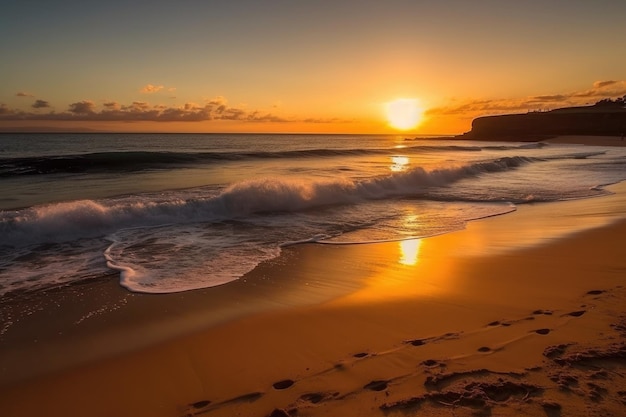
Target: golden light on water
x,y
399,163
403,113
409,251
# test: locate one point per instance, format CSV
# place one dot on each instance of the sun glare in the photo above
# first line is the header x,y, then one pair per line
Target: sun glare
x,y
403,113
409,251
399,163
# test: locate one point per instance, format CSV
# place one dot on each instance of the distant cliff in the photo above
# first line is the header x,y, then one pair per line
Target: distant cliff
x,y
601,119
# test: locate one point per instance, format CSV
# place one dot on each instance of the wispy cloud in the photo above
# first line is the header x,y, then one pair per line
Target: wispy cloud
x,y
149,88
548,98
600,84
473,108
23,94
323,120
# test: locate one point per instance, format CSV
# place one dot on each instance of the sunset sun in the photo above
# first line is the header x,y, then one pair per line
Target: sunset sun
x,y
403,113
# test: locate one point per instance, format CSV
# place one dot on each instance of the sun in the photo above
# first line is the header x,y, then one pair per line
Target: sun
x,y
403,113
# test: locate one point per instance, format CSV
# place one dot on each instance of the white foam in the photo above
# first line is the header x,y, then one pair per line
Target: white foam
x,y
68,221
174,259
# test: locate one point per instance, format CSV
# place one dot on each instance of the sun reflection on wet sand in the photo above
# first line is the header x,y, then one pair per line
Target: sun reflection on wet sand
x,y
409,251
438,265
421,269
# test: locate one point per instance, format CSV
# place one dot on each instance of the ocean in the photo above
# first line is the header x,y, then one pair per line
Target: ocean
x,y
176,212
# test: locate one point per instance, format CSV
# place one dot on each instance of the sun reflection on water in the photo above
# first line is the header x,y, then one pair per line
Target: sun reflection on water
x,y
399,163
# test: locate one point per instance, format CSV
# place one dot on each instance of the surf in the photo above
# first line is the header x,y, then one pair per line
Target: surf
x,y
67,221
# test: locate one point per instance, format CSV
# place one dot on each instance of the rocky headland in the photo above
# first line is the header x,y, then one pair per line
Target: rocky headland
x,y
605,118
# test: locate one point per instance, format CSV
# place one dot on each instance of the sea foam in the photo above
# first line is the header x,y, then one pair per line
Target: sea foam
x,y
66,221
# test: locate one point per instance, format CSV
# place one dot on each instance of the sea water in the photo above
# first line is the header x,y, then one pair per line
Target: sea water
x,y
177,212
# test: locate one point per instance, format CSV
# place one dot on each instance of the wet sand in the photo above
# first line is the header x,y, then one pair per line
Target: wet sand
x,y
521,314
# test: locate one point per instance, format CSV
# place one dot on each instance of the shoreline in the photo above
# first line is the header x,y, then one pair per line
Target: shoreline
x,y
491,318
460,324
81,333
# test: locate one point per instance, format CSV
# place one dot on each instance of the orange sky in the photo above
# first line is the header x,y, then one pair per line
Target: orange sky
x,y
293,67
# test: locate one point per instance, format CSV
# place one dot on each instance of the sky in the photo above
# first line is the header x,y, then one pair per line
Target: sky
x,y
301,66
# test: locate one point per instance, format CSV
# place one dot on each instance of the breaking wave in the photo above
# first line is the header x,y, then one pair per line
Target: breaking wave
x,y
88,218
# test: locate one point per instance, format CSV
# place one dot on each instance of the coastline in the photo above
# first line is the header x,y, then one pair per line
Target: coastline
x,y
364,329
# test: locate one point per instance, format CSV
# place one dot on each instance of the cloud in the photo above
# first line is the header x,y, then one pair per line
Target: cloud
x,y
478,106
112,105
265,118
4,110
82,107
23,94
212,110
40,104
600,84
149,88
327,120
603,89
552,98
473,108
137,106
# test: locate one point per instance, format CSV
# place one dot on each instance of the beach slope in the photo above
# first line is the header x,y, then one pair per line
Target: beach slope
x,y
521,314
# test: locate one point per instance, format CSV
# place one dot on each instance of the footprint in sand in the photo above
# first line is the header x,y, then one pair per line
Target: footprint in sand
x,y
313,398
416,342
499,323
200,404
284,384
317,397
430,363
595,292
484,349
576,313
544,312
542,331
279,412
360,355
378,385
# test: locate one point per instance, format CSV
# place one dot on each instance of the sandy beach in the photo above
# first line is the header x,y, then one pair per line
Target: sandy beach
x,y
519,314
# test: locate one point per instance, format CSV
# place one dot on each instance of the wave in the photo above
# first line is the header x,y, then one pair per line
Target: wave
x,y
68,221
149,160
529,145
